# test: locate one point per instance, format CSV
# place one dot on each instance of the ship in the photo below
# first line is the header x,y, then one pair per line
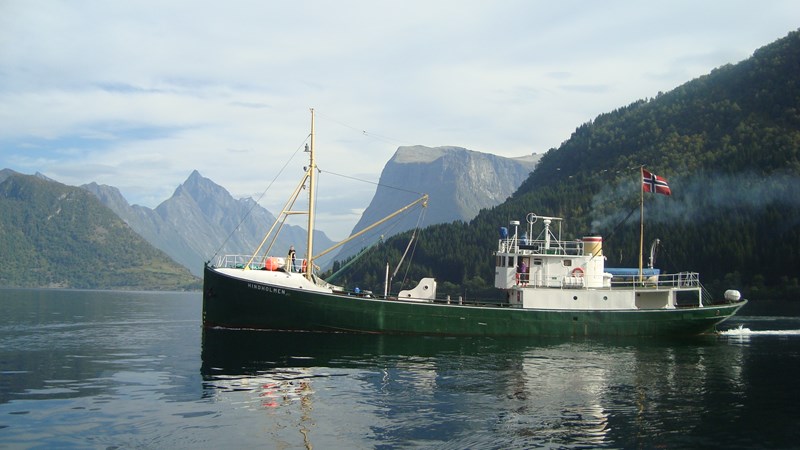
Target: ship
x,y
551,286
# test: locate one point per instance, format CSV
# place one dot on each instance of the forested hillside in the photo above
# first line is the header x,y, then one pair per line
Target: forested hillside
x,y
728,143
53,235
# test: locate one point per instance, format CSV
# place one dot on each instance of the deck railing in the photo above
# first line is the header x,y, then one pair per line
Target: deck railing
x,y
681,280
240,261
540,247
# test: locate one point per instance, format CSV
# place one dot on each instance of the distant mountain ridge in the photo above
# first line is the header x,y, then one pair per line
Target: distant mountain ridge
x,y
460,183
198,221
58,236
193,224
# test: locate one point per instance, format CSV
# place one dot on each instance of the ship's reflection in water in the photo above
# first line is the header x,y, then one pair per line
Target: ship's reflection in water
x,y
370,390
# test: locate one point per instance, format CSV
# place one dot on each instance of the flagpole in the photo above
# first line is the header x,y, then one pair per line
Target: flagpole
x,y
641,221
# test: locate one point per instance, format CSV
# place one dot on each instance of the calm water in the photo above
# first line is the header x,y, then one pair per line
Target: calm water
x,y
88,369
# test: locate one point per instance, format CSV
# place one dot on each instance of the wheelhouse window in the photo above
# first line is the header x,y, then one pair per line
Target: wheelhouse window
x,y
504,261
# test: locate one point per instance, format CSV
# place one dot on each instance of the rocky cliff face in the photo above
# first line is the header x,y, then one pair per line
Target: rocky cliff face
x,y
460,183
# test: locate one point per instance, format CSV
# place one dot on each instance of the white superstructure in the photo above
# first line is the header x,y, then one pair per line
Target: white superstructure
x,y
547,272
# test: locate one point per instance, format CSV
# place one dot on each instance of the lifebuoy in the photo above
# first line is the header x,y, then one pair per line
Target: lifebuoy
x,y
303,270
577,272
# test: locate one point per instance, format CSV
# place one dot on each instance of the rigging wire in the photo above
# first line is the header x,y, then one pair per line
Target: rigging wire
x,y
364,132
247,214
416,229
355,258
301,146
382,231
414,248
374,183
316,205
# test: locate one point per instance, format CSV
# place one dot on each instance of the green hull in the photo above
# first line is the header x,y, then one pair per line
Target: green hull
x,y
234,303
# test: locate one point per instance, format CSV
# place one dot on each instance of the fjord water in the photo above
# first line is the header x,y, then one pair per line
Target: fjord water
x,y
96,369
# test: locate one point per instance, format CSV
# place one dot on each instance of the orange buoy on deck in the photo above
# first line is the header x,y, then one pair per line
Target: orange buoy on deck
x,y
273,263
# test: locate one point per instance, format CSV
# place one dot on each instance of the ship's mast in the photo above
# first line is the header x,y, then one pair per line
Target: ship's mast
x,y
641,223
312,177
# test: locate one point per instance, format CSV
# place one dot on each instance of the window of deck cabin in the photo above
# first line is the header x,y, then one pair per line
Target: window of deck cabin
x,y
505,261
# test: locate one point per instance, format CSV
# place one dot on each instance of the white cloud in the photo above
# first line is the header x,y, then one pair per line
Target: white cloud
x,y
138,94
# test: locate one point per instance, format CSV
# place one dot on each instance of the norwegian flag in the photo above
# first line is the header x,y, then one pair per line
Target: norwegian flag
x,y
654,183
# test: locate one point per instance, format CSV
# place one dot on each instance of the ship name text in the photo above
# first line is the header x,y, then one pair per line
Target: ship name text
x,y
269,289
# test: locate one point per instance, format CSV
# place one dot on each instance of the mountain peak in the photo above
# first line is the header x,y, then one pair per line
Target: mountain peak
x,y
5,173
200,188
108,195
421,154
196,179
44,177
195,175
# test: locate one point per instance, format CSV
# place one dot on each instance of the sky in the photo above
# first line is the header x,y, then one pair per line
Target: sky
x,y
138,94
